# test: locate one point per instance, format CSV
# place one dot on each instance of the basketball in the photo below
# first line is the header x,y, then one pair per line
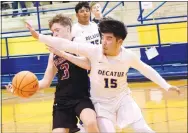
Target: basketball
x,y
25,84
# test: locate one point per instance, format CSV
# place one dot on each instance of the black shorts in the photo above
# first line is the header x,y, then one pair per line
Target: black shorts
x,y
66,117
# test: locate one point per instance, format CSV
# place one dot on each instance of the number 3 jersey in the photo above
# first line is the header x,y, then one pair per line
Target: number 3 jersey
x,y
86,33
73,82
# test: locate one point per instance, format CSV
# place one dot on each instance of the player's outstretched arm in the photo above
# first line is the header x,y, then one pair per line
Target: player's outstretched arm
x,y
82,62
152,74
86,50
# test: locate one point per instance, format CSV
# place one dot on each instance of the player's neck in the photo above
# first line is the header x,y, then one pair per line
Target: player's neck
x,y
115,53
83,23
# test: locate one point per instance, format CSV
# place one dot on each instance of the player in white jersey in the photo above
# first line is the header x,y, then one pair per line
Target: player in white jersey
x,y
110,63
85,31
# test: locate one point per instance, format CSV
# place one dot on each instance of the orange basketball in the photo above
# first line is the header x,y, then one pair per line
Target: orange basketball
x,y
25,84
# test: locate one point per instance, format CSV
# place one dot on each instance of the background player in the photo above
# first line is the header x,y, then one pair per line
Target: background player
x,y
96,11
84,30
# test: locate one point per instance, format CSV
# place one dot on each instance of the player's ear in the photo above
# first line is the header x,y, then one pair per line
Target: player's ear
x,y
77,15
120,41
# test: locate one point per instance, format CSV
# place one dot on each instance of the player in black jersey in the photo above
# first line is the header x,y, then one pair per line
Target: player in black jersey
x,y
72,97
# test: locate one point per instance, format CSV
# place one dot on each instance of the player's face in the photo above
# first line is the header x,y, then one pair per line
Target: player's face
x,y
60,31
96,9
83,15
111,45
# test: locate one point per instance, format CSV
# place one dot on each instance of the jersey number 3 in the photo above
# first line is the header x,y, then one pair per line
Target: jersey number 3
x,y
111,82
65,69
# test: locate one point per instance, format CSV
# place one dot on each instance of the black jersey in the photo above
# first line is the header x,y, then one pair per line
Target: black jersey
x,y
73,81
96,20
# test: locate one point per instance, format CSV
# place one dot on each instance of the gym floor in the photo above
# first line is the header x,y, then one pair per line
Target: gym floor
x,y
165,112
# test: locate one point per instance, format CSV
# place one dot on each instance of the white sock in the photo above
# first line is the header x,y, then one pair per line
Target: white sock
x,y
141,127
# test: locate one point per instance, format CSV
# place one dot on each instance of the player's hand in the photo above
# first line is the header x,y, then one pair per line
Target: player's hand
x,y
55,51
9,88
176,89
32,31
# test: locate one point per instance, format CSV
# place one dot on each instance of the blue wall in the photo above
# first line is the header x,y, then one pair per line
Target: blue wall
x,y
176,53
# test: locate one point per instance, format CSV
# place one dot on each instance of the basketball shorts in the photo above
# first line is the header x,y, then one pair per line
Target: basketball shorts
x,y
122,111
66,117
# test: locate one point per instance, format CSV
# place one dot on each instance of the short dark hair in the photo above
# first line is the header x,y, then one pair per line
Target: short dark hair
x,y
110,25
61,19
80,5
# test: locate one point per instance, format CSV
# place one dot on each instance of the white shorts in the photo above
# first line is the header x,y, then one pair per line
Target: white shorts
x,y
122,111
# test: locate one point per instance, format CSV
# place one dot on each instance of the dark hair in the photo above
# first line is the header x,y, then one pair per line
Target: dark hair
x,y
80,5
109,25
61,19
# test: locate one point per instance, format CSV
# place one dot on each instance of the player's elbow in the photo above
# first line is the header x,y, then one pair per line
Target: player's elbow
x,y
88,67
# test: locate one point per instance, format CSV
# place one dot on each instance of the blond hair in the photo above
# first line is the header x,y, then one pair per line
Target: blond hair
x,y
61,19
92,4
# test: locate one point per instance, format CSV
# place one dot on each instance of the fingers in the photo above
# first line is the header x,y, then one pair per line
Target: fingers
x,y
6,86
28,25
32,30
177,90
9,87
49,48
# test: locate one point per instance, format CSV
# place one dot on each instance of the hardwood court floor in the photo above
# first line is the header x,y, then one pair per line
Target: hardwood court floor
x,y
164,112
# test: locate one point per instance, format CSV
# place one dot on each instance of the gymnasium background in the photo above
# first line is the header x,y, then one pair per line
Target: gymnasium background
x,y
160,26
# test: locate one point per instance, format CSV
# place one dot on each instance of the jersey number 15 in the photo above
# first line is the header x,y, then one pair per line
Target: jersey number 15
x,y
112,83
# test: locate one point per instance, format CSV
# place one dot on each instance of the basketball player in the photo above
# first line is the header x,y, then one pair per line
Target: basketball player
x,y
110,63
96,11
84,30
72,95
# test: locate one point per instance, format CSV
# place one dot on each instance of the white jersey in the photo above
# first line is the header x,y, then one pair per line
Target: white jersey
x,y
108,78
108,74
86,33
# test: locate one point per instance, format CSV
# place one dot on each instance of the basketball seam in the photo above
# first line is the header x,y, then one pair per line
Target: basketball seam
x,y
25,86
21,93
21,81
28,84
